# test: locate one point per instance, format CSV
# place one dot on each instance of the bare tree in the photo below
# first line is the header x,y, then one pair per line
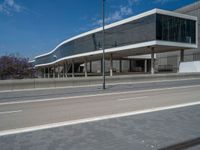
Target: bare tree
x,y
15,67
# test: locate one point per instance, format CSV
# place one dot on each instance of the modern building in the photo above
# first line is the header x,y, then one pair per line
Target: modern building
x,y
170,61
130,45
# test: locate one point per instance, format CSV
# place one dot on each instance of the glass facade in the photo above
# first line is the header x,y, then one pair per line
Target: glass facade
x,y
174,29
149,28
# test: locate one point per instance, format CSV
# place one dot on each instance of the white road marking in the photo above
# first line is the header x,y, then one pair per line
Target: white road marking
x,y
95,85
80,121
132,98
10,112
95,95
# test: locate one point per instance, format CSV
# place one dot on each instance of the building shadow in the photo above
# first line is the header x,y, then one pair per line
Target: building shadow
x,y
183,145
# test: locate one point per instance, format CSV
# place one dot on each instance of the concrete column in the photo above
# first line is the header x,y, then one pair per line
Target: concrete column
x,y
145,66
72,69
182,55
90,66
120,65
63,69
36,72
58,71
130,65
152,61
44,72
85,68
48,72
111,65
66,69
63,75
54,71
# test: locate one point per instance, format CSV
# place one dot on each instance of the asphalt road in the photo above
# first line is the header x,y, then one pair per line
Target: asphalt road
x,y
174,129
35,111
29,112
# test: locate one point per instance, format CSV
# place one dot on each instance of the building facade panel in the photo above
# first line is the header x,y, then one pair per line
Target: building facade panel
x,y
191,54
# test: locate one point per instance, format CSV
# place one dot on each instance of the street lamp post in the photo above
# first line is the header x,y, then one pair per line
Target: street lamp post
x,y
103,42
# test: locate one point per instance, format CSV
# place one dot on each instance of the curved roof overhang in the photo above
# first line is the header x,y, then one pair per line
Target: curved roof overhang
x,y
129,50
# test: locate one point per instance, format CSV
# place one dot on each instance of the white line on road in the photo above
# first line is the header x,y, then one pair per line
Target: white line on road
x,y
10,112
132,98
73,122
95,95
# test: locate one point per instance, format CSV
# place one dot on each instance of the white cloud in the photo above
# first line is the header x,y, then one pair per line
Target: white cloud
x,y
122,12
9,6
127,10
119,14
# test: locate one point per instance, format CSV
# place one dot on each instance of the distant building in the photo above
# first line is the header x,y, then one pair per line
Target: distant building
x,y
127,44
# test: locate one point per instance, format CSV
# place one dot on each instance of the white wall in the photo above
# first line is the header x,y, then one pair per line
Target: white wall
x,y
186,67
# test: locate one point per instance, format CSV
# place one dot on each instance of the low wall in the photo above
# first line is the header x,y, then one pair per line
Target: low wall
x,y
188,67
62,82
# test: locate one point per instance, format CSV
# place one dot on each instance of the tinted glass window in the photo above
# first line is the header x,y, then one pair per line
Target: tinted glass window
x,y
169,28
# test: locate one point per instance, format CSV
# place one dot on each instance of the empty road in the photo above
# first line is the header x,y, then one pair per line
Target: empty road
x,y
21,113
35,110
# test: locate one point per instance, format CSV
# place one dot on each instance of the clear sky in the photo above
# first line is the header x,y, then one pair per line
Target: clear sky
x,y
32,27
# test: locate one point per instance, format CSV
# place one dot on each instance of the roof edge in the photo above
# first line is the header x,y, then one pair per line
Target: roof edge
x,y
144,14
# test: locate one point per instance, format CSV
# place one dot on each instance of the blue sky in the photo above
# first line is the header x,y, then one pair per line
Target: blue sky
x,y
32,27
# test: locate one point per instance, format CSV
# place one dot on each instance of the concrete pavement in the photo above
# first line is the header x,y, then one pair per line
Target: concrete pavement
x,y
147,115
174,129
33,113
63,82
82,90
